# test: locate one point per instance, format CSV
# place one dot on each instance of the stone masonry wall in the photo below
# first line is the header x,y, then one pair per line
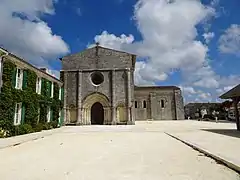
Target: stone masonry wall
x,y
109,63
179,105
72,89
97,59
154,110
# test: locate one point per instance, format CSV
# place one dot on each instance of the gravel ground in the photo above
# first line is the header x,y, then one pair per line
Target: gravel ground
x,y
141,152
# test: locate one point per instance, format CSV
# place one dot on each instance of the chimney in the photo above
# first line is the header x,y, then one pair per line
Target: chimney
x,y
44,69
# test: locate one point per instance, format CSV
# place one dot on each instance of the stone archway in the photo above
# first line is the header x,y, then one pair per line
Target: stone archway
x,y
97,114
99,104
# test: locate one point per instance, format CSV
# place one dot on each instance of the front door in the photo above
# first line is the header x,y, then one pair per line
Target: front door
x,y
97,114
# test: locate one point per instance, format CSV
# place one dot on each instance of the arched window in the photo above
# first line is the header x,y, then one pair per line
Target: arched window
x,y
136,104
144,104
162,104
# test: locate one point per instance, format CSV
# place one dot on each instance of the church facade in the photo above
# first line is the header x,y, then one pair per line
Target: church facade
x,y
99,89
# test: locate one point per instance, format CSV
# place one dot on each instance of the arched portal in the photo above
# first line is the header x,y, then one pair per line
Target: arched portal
x,y
97,114
96,109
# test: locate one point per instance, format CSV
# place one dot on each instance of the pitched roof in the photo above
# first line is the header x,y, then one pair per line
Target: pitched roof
x,y
156,87
21,59
101,48
232,93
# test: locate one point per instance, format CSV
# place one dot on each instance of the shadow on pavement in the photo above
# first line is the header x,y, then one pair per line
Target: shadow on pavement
x,y
227,132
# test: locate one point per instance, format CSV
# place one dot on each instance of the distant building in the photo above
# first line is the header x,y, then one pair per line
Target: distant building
x,y
193,110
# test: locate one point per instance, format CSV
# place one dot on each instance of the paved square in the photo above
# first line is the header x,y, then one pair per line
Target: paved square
x,y
140,152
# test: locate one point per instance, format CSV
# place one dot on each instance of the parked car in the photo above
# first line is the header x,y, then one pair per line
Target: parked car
x,y
208,117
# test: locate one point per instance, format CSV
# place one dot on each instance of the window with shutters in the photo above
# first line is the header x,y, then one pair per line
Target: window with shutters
x,y
38,85
52,89
18,114
19,79
48,114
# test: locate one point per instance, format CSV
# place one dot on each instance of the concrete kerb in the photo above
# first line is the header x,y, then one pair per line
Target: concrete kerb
x,y
17,140
223,161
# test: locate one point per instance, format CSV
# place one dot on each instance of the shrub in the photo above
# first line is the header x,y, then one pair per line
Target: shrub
x,y
54,124
47,126
23,129
39,127
3,133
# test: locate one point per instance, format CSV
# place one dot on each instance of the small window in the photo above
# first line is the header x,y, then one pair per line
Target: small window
x,y
162,104
60,93
19,78
18,114
52,90
144,104
136,104
38,85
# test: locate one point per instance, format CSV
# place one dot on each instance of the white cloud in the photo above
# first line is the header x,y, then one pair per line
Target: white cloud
x,y
224,89
227,88
169,33
54,73
214,3
208,36
207,83
205,96
219,91
168,29
23,32
229,42
111,40
188,90
230,81
195,94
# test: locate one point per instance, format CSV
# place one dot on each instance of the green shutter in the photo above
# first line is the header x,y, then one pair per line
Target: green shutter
x,y
24,79
42,87
51,114
14,74
50,88
23,114
47,88
62,93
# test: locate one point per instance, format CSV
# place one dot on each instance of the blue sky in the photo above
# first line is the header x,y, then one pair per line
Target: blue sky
x,y
188,43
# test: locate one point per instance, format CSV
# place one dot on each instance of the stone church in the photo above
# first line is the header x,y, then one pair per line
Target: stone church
x,y
99,89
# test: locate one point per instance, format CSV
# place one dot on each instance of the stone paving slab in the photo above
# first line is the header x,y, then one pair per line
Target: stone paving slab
x,y
109,153
16,140
224,148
